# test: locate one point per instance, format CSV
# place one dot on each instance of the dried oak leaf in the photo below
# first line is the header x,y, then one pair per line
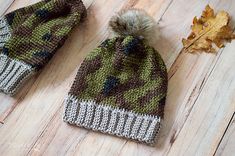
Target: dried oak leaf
x,y
208,29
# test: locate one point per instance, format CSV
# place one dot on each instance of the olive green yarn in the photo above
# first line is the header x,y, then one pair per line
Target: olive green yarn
x,y
30,36
95,81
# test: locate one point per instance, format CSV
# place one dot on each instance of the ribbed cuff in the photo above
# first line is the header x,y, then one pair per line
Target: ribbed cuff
x,y
13,74
115,121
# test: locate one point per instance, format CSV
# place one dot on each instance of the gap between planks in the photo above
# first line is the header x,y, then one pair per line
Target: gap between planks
x,y
226,145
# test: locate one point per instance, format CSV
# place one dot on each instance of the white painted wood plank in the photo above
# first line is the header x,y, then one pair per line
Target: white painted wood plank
x,y
4,5
212,111
227,145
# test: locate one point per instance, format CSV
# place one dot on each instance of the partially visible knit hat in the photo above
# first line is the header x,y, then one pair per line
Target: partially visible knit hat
x,y
121,86
30,36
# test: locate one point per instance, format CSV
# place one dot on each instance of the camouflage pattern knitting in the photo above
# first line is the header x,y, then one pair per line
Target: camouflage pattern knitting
x,y
120,89
30,36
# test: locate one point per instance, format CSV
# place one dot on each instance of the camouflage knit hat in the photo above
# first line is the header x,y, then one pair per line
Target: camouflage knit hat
x,y
30,36
121,86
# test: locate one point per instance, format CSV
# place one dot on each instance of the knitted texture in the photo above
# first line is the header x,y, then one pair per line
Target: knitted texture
x,y
30,36
120,89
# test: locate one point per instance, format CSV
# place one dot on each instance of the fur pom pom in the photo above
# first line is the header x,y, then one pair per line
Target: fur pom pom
x,y
135,22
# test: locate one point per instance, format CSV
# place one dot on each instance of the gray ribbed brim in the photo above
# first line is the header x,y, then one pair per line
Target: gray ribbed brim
x,y
13,74
115,121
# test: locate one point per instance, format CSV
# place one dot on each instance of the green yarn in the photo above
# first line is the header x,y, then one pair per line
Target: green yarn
x,y
148,71
41,29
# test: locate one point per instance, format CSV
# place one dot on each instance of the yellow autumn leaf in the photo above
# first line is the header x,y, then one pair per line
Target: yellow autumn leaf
x,y
209,29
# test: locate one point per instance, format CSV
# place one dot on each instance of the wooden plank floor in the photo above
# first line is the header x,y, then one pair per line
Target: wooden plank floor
x,y
199,113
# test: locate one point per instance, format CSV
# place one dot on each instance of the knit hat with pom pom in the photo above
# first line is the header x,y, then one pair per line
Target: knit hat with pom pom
x,y
30,36
121,86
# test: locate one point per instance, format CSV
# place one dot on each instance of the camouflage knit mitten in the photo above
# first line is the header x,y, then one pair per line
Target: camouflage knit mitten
x,y
121,86
30,36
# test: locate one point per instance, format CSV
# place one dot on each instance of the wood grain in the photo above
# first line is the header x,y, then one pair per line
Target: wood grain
x,y
200,102
211,112
4,5
227,145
